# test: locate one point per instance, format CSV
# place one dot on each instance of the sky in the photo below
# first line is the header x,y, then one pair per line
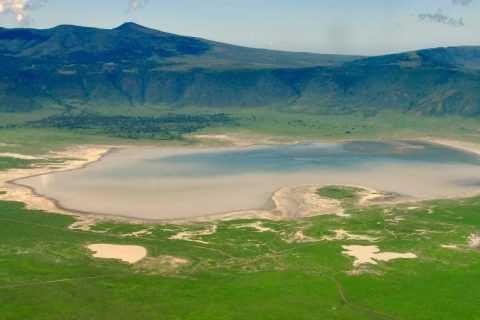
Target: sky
x,y
366,27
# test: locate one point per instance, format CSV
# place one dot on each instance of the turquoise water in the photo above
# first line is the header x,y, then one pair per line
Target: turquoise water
x,y
170,183
306,156
289,158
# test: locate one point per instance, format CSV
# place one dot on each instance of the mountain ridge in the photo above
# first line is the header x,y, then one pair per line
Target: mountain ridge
x,y
71,66
130,38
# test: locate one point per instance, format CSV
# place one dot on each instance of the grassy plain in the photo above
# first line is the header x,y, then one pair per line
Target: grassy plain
x,y
239,272
338,192
260,122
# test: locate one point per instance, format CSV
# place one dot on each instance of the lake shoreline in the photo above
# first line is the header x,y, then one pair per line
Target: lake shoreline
x,y
81,156
86,155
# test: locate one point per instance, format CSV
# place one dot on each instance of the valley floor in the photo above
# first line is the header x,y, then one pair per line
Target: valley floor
x,y
377,261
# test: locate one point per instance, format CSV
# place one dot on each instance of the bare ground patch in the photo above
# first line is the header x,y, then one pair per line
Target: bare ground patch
x,y
194,235
372,254
126,253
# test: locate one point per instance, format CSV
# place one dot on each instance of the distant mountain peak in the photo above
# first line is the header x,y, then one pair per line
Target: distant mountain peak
x,y
132,26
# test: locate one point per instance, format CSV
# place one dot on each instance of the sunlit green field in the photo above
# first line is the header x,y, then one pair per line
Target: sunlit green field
x,y
238,272
267,123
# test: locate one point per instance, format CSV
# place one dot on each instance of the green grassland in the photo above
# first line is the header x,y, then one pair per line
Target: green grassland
x,y
37,133
239,273
9,163
385,124
339,192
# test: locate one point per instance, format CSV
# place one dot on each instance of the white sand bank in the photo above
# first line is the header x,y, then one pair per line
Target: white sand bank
x,y
191,235
345,235
239,140
473,241
449,246
456,144
125,253
257,226
302,201
19,156
372,254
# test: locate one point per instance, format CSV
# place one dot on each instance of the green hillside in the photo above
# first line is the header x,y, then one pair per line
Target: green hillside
x,y
71,68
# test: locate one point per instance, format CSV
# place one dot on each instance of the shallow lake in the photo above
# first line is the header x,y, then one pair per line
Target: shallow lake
x,y
179,183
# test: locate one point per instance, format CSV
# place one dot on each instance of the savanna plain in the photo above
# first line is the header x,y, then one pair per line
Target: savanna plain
x,y
360,253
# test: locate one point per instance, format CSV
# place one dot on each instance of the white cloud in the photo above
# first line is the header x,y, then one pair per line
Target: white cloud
x,y
462,2
134,5
440,17
18,8
21,9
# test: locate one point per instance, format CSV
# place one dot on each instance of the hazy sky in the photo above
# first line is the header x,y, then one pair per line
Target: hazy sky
x,y
326,26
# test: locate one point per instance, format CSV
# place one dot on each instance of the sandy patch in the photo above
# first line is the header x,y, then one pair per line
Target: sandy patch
x,y
257,226
139,233
345,235
369,196
162,265
235,215
288,203
125,253
238,140
172,261
422,232
455,144
85,223
395,220
19,156
191,235
449,246
372,254
302,201
413,208
299,236
473,241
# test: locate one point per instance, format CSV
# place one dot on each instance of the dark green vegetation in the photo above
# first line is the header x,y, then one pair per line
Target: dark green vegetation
x,y
456,57
240,273
71,66
339,192
68,68
133,45
8,163
35,133
168,127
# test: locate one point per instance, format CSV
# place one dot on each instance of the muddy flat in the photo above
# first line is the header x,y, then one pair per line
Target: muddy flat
x,y
183,183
